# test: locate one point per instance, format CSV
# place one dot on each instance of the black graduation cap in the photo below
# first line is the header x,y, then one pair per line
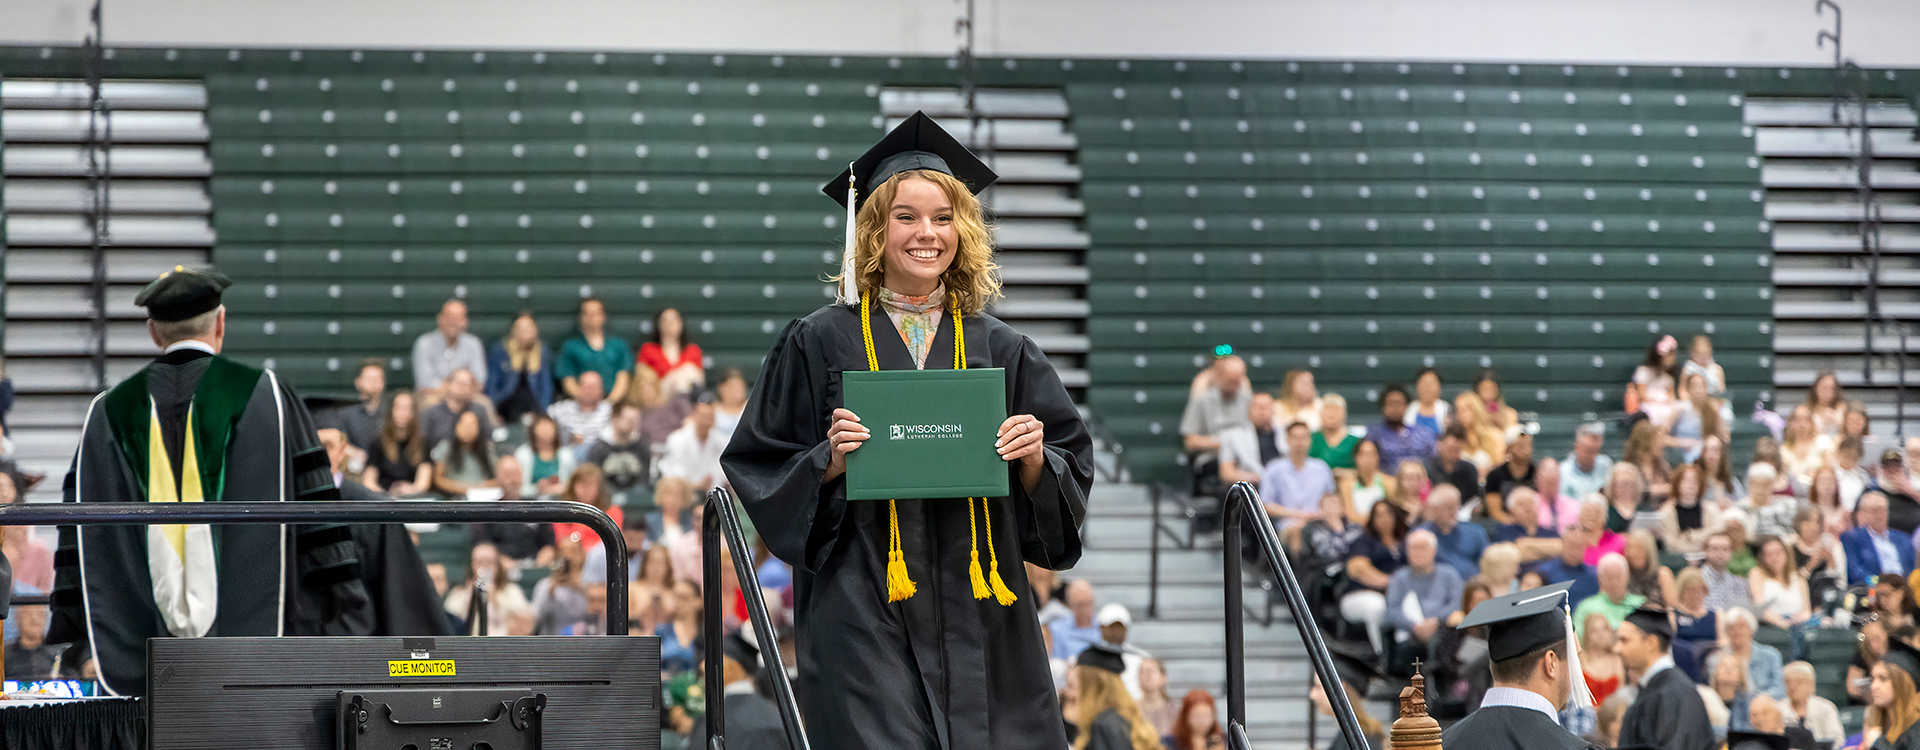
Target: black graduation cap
x,y
1520,624
1903,655
1103,656
1756,741
1652,621
183,292
742,651
918,143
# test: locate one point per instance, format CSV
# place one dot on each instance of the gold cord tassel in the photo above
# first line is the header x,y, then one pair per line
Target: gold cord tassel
x,y
1001,593
899,586
980,590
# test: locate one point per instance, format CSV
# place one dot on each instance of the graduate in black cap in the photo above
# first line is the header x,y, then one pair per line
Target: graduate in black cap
x,y
190,427
1668,712
1892,703
753,722
1536,673
1103,711
915,625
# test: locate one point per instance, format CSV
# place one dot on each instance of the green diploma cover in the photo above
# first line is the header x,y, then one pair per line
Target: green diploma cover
x,y
933,433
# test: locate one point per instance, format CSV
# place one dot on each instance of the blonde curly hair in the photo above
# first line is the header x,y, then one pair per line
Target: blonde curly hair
x,y
972,280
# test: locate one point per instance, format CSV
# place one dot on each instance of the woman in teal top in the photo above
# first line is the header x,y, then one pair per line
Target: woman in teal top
x,y
1333,444
594,350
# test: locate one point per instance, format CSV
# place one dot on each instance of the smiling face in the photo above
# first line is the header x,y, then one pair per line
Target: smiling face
x,y
921,239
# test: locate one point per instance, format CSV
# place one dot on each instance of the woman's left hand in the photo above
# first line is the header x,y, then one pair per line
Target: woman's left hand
x,y
1022,437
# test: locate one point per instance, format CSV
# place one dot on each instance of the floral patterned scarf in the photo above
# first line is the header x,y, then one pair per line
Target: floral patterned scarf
x,y
917,318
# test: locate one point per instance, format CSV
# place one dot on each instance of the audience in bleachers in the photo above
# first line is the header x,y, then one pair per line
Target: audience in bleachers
x,y
361,421
692,452
1399,439
592,350
676,360
1297,401
1071,635
1613,601
1245,449
1651,391
1460,544
464,461
397,462
457,397
1727,694
1803,708
447,348
545,458
1219,401
730,400
1419,596
519,371
1366,484
1332,442
1291,487
1429,409
585,415
621,452
1872,548
1586,469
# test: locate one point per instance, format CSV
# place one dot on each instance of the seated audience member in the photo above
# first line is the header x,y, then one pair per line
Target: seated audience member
x,y
1483,443
1688,517
1645,575
1399,439
1599,665
1873,645
1460,654
464,461
1324,542
1645,450
1103,714
660,414
1535,541
1827,404
520,371
1697,415
546,459
1419,596
1460,544
1571,565
1652,389
487,567
1727,693
1722,487
1896,482
530,542
436,422
1818,557
1894,604
1613,601
1772,514
1500,569
1873,549
1114,619
730,401
1849,474
1246,449
621,452
592,350
1297,401
1045,585
1156,706
1074,634
676,360
1366,484
1410,486
1625,495
1291,487
361,421
28,655
1221,404
1779,593
585,486
1373,558
560,599
1585,470
1448,467
1700,360
584,416
634,533
693,451
397,464
449,347
1517,470
1694,623
1763,662
1823,495
1725,589
32,559
1429,409
680,644
1742,561
1486,385
1811,712
1802,447
1557,509
1332,443
1197,727
1594,518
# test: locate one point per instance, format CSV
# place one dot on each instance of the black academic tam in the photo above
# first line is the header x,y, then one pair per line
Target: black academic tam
x,y
940,670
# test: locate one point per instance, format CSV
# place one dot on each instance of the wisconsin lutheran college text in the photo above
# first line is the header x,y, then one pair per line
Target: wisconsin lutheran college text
x,y
922,431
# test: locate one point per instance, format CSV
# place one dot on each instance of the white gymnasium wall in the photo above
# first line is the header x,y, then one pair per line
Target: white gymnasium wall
x,y
1880,33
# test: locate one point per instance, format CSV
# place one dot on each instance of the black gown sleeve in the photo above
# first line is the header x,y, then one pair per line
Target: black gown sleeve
x,y
1109,732
779,453
1051,513
6,585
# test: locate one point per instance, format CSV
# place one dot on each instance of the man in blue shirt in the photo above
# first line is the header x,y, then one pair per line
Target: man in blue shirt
x,y
1586,469
1071,635
1571,565
1291,487
1398,441
1461,544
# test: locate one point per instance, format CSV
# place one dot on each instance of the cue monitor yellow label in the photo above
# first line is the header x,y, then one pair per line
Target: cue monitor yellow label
x,y
420,668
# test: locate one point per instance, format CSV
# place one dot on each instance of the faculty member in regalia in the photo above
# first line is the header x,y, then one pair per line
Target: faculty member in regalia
x,y
1667,713
194,426
1536,673
916,627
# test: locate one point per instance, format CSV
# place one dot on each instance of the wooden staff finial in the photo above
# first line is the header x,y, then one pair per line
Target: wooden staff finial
x,y
1415,730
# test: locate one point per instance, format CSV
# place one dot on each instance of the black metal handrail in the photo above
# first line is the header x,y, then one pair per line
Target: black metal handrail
x,y
1243,510
722,525
347,511
1156,493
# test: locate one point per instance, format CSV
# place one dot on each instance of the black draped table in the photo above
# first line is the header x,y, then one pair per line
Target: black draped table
x,y
83,724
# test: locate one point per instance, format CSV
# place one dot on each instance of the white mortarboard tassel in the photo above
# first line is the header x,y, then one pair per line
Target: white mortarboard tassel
x,y
849,291
1581,697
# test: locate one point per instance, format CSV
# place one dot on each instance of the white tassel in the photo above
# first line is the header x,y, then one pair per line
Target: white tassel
x,y
849,291
1580,696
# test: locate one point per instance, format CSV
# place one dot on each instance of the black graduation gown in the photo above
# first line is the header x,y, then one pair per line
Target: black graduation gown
x,y
291,580
1909,740
395,577
941,669
1668,714
1510,728
1110,731
753,723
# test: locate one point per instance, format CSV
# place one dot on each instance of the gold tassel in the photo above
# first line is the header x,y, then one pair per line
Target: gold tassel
x,y
973,569
899,586
1001,593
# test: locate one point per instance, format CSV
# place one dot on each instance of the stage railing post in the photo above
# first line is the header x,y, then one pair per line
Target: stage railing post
x,y
722,519
710,542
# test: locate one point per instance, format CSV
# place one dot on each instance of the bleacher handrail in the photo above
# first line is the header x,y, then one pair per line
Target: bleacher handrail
x,y
722,526
1243,510
348,511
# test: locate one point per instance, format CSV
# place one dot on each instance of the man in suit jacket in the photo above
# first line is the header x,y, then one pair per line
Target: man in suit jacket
x,y
1873,548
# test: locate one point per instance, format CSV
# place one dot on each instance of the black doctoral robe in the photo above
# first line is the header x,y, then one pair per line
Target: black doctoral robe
x,y
941,669
272,580
1668,714
1510,728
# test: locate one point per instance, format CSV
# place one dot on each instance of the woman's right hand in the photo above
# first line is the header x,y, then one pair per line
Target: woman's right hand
x,y
844,436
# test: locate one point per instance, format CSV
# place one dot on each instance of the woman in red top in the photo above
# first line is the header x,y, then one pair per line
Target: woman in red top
x,y
1598,663
671,356
585,486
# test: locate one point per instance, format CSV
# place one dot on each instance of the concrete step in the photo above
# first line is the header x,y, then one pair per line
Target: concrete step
x,y
71,126
1821,113
118,95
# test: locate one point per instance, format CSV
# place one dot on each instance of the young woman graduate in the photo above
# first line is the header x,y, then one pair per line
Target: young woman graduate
x,y
916,628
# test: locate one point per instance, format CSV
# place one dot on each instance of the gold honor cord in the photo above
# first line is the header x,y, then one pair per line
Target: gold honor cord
x,y
899,585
